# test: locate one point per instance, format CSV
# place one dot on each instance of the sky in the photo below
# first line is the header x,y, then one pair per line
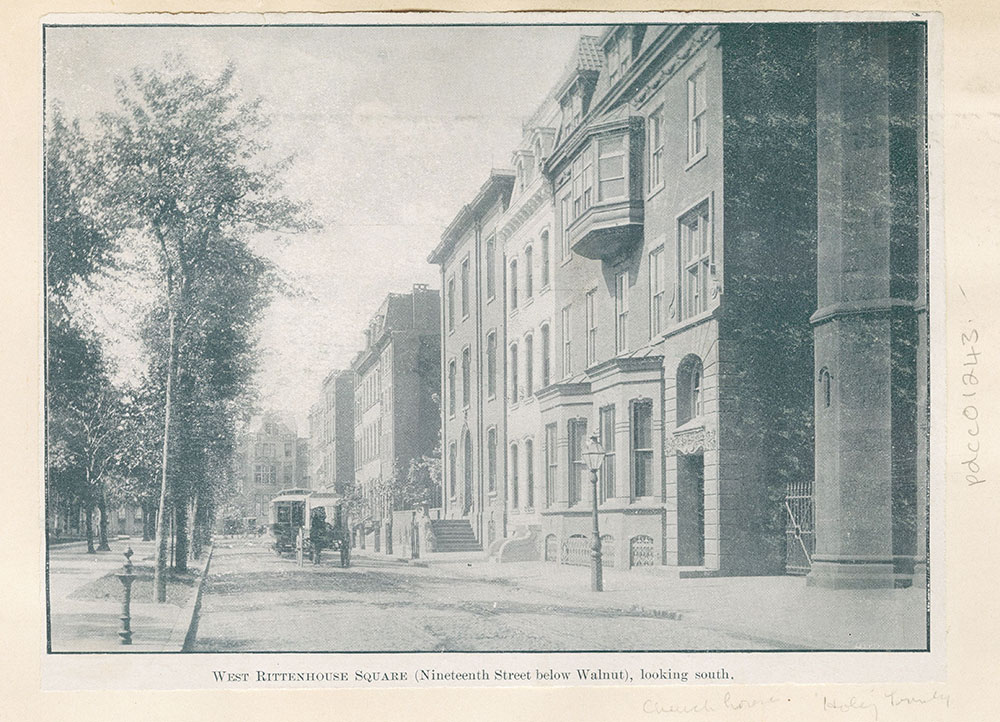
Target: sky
x,y
393,130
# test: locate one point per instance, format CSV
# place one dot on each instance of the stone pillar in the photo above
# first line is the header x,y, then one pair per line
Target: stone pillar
x,y
865,330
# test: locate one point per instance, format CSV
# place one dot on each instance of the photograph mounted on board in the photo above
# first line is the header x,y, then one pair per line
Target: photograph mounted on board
x,y
479,337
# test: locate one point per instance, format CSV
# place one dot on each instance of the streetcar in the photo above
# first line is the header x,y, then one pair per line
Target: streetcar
x,y
295,509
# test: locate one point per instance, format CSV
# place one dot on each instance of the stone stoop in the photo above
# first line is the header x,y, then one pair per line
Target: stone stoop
x,y
454,535
524,546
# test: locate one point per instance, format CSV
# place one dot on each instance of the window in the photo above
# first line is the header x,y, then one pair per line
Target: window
x,y
465,287
689,390
583,184
654,150
466,376
606,417
491,458
546,356
621,311
577,436
288,450
695,240
566,343
451,387
529,280
591,327
491,364
697,102
514,483
656,270
551,463
619,55
825,388
288,474
642,447
452,468
545,258
451,304
513,285
529,365
491,263
513,373
529,473
566,221
611,167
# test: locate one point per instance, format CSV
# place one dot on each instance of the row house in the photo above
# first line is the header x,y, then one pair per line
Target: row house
x,y
668,258
331,434
473,340
396,410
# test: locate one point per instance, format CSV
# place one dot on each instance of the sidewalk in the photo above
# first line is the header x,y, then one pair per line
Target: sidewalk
x,y
778,612
85,603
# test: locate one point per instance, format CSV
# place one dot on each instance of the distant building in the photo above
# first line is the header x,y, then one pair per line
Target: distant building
x,y
270,457
331,434
396,414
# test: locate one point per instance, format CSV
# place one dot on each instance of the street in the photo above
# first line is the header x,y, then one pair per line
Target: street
x,y
256,601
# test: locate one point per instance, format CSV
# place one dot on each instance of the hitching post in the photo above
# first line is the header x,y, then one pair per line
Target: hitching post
x,y
127,578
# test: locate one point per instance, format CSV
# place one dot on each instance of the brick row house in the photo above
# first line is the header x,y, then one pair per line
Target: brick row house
x,y
396,416
654,271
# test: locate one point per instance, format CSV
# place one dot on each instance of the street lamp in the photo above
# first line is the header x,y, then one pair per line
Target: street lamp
x,y
595,458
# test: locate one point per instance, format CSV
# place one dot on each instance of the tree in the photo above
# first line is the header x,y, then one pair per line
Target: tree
x,y
183,163
77,389
422,484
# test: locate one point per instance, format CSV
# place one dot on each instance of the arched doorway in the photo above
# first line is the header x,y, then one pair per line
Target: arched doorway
x,y
467,471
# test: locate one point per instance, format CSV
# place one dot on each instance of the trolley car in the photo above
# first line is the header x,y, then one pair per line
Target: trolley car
x,y
294,509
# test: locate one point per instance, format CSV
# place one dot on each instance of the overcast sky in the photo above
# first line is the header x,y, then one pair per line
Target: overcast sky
x,y
394,129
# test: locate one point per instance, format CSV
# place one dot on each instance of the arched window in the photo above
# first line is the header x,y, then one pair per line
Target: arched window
x,y
515,484
451,387
546,356
825,388
690,403
513,285
529,365
467,470
452,468
545,258
513,373
466,376
529,280
491,364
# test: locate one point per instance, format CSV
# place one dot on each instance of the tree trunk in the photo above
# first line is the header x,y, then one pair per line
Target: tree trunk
x,y
102,507
89,515
181,535
160,569
195,530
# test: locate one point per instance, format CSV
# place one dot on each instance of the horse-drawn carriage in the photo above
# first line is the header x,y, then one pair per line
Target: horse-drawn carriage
x,y
321,517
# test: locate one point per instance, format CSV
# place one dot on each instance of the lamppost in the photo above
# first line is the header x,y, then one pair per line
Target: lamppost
x,y
595,458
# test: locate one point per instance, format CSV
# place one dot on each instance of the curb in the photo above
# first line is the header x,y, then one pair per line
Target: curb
x,y
186,627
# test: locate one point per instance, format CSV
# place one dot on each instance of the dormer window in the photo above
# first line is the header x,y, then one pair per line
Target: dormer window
x,y
618,54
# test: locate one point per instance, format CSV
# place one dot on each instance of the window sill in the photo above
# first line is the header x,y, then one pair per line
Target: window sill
x,y
656,191
689,322
694,160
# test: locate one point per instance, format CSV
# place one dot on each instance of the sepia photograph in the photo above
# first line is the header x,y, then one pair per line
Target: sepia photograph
x,y
492,337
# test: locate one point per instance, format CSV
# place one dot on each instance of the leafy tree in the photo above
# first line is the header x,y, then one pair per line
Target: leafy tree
x,y
184,163
78,392
422,484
